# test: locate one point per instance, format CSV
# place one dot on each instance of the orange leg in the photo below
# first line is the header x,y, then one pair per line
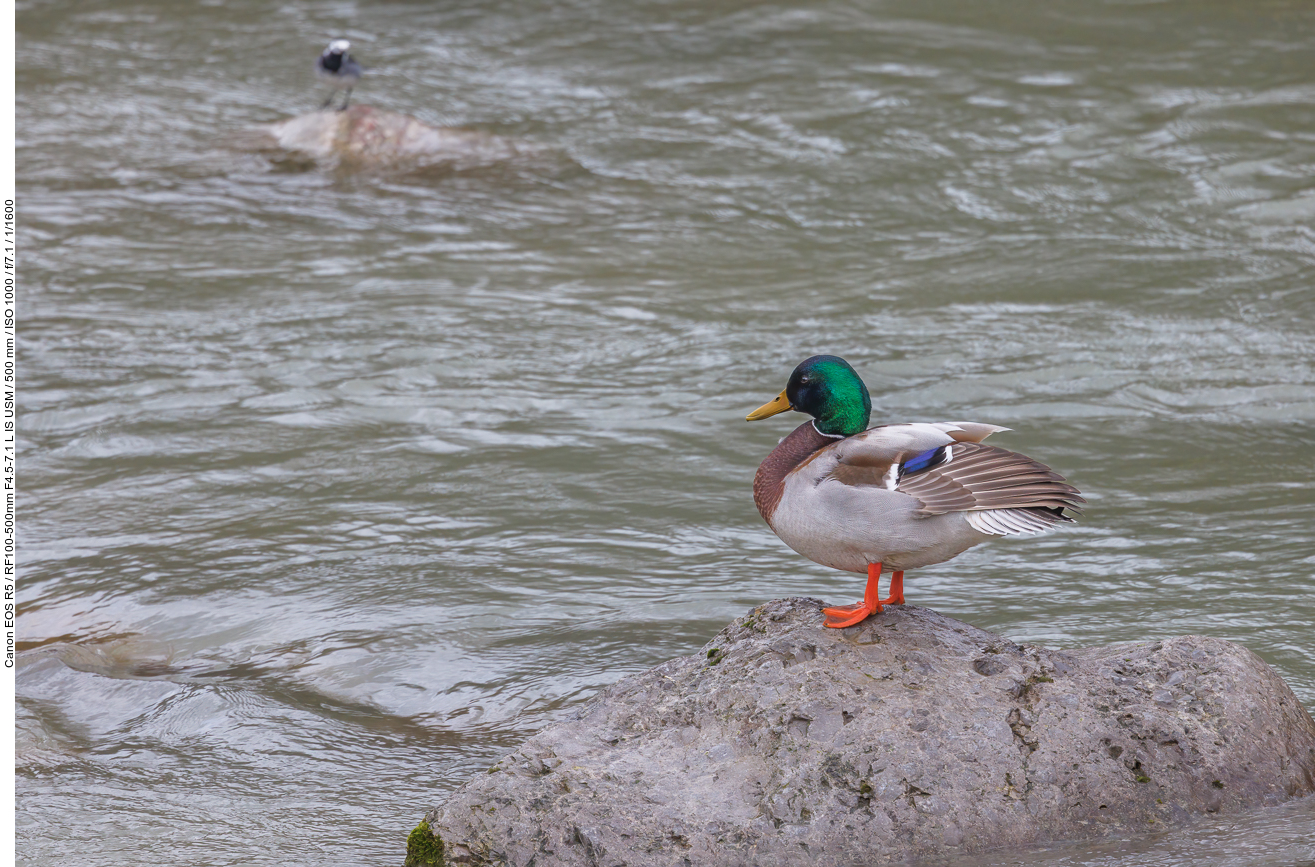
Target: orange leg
x,y
848,615
896,590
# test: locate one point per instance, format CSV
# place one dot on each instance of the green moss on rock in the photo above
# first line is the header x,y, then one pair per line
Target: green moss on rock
x,y
424,848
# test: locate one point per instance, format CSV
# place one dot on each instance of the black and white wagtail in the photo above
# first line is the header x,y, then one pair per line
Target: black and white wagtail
x,y
335,65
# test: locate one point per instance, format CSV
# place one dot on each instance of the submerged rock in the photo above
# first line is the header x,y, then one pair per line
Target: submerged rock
x,y
363,136
911,735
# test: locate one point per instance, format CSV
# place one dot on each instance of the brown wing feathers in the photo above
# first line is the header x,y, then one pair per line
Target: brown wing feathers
x,y
978,477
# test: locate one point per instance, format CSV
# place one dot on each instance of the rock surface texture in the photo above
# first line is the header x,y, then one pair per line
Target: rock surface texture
x,y
910,735
364,136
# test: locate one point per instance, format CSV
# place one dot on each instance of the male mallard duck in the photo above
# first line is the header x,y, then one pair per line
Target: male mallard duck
x,y
898,496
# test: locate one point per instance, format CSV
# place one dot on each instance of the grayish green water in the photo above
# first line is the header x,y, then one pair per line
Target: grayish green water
x,y
335,487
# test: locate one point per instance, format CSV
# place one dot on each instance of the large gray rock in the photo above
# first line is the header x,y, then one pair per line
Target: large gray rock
x,y
912,734
367,137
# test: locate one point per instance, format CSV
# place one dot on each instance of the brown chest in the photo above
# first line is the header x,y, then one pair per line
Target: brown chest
x,y
769,482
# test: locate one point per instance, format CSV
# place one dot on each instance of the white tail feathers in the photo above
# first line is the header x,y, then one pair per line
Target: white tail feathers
x,y
1010,522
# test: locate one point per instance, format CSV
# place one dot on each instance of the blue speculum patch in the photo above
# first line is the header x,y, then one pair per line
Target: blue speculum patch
x,y
926,460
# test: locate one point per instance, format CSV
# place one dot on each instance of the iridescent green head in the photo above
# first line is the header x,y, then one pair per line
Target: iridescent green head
x,y
829,390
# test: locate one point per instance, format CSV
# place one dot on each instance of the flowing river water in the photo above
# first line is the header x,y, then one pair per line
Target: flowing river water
x,y
336,485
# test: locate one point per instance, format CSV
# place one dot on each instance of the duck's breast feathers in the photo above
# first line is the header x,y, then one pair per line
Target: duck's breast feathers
x,y
792,454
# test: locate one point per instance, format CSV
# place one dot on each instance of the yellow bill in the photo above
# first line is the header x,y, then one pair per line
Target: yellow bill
x,y
776,405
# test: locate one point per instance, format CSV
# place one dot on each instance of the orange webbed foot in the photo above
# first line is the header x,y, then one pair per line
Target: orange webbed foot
x,y
849,615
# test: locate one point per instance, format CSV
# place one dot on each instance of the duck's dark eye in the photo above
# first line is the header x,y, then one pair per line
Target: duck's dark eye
x,y
803,380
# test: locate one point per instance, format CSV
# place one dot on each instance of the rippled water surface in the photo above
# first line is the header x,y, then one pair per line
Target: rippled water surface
x,y
336,485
